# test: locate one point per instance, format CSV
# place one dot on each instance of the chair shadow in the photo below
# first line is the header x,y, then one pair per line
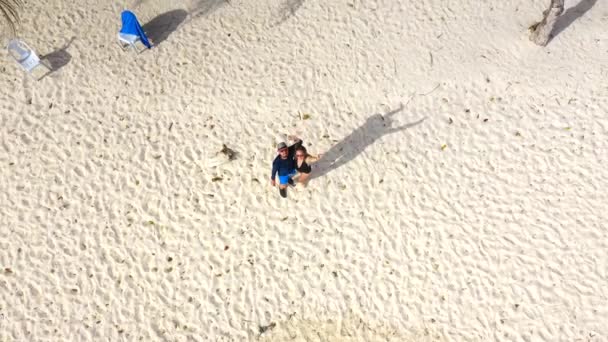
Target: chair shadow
x,y
571,15
356,142
59,58
160,27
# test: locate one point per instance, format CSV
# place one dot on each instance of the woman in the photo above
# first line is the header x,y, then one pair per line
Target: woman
x,y
303,162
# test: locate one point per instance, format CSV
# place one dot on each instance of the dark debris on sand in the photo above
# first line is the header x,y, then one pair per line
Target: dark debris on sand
x,y
230,153
265,328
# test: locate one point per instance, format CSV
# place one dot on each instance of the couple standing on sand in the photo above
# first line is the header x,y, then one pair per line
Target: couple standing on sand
x,y
291,160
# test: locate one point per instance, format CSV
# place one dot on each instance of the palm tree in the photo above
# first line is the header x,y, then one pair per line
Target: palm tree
x,y
8,9
541,32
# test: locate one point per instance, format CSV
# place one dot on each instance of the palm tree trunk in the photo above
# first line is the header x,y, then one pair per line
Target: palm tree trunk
x,y
541,32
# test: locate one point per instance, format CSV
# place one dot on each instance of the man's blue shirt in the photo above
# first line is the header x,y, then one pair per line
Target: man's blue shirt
x,y
285,166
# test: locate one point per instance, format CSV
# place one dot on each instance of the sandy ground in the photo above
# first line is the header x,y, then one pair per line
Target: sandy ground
x,y
462,194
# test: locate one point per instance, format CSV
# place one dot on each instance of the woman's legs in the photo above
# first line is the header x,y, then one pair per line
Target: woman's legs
x,y
303,178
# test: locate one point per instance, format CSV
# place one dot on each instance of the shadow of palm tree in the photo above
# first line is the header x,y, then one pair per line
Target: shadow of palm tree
x,y
159,28
352,145
571,15
58,58
288,9
203,7
136,3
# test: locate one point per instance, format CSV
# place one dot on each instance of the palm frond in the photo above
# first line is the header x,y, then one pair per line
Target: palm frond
x,y
9,10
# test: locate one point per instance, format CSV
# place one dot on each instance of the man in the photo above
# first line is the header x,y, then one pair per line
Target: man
x,y
285,165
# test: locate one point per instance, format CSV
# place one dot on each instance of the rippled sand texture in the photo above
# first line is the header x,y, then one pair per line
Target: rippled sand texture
x,y
476,212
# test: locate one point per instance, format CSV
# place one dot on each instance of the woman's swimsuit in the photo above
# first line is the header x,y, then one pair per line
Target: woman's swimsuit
x,y
304,168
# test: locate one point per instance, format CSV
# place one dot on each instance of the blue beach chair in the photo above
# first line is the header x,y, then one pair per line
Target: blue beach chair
x,y
131,32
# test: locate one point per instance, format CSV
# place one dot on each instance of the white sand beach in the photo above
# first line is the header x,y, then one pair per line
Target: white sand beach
x,y
477,211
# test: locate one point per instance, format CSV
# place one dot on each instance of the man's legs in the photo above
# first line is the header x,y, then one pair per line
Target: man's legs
x,y
283,191
282,187
283,182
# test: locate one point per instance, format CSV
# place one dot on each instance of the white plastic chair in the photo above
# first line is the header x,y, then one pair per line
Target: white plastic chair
x,y
25,56
126,40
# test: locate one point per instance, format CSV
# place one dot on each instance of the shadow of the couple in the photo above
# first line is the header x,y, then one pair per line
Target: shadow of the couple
x,y
356,142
